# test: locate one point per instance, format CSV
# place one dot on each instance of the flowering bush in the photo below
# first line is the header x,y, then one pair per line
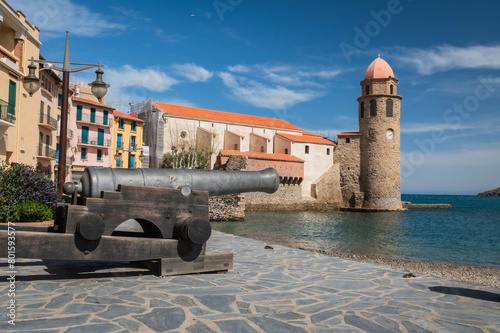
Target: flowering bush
x,y
20,183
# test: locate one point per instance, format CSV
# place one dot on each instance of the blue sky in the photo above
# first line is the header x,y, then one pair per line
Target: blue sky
x,y
302,61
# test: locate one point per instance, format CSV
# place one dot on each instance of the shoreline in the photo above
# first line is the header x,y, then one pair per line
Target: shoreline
x,y
481,275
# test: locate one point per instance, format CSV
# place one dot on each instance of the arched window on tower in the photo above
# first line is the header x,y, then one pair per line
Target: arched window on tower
x,y
373,108
392,89
367,90
362,109
389,106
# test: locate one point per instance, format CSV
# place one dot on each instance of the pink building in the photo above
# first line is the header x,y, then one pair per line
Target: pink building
x,y
92,125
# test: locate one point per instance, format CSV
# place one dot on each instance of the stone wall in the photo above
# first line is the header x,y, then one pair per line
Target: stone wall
x,y
326,189
286,198
227,207
347,155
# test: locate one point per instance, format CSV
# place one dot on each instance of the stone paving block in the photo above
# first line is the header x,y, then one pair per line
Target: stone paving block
x,y
101,328
235,326
163,319
199,327
275,326
129,325
365,324
118,310
221,303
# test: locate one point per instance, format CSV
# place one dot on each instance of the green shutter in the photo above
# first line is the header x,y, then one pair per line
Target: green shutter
x,y
11,109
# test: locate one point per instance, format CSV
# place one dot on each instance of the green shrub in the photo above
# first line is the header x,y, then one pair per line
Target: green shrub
x,y
22,183
31,211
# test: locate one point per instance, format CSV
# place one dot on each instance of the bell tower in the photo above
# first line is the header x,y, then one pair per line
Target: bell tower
x,y
379,116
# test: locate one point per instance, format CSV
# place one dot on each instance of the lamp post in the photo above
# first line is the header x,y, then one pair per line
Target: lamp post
x,y
118,155
32,84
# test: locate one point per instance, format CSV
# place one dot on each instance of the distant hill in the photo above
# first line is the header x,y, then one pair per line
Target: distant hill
x,y
492,193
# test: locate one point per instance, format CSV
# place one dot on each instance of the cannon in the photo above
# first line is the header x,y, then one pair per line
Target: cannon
x,y
170,205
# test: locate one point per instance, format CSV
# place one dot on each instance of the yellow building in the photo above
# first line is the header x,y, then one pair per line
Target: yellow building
x,y
127,141
19,134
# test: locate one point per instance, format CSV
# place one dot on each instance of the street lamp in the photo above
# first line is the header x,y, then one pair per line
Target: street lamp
x,y
32,84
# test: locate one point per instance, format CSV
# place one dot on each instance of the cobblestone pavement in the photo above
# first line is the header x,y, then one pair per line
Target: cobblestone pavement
x,y
269,290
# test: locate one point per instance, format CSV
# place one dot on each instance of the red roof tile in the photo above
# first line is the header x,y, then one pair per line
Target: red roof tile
x,y
262,156
306,138
126,116
89,101
226,117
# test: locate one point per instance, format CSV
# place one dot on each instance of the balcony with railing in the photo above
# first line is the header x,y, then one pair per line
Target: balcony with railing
x,y
47,121
44,151
7,113
95,120
94,141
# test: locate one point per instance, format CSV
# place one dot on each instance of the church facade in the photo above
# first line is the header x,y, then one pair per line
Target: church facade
x,y
361,171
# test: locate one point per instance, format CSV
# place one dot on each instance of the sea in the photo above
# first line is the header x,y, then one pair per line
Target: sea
x,y
468,233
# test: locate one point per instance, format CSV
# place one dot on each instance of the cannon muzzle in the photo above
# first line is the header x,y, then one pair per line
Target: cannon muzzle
x,y
216,182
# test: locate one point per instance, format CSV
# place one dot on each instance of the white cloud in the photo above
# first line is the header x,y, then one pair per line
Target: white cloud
x,y
413,128
239,69
445,58
260,95
151,78
193,72
56,16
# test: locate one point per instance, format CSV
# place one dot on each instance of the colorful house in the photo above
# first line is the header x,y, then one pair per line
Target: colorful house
x,y
127,141
92,125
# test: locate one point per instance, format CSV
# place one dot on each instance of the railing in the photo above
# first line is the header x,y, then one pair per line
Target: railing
x,y
45,150
93,141
7,112
98,120
48,120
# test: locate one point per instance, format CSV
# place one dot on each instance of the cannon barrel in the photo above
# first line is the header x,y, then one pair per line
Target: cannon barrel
x,y
216,182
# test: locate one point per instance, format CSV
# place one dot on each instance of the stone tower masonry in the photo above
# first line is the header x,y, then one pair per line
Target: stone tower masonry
x,y
379,116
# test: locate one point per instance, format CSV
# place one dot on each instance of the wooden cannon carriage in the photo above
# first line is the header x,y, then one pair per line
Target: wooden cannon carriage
x,y
171,206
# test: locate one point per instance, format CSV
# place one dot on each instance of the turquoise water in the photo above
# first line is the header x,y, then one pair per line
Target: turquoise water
x,y
468,233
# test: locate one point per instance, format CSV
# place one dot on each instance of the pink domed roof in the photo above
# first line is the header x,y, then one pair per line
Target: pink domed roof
x,y
379,69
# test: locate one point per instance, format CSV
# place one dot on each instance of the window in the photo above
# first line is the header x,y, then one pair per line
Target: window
x,y
78,113
373,108
104,117
347,140
42,108
100,137
119,141
392,89
362,109
367,90
99,154
134,126
11,108
235,146
121,122
132,142
83,155
48,112
307,149
118,163
85,134
183,134
328,151
286,151
131,161
261,149
389,105
92,115
59,100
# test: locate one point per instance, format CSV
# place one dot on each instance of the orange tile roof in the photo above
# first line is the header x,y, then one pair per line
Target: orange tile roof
x,y
89,101
126,116
349,133
226,117
311,134
262,156
306,138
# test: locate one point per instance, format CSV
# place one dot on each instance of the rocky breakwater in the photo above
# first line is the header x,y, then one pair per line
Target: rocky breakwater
x,y
491,193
